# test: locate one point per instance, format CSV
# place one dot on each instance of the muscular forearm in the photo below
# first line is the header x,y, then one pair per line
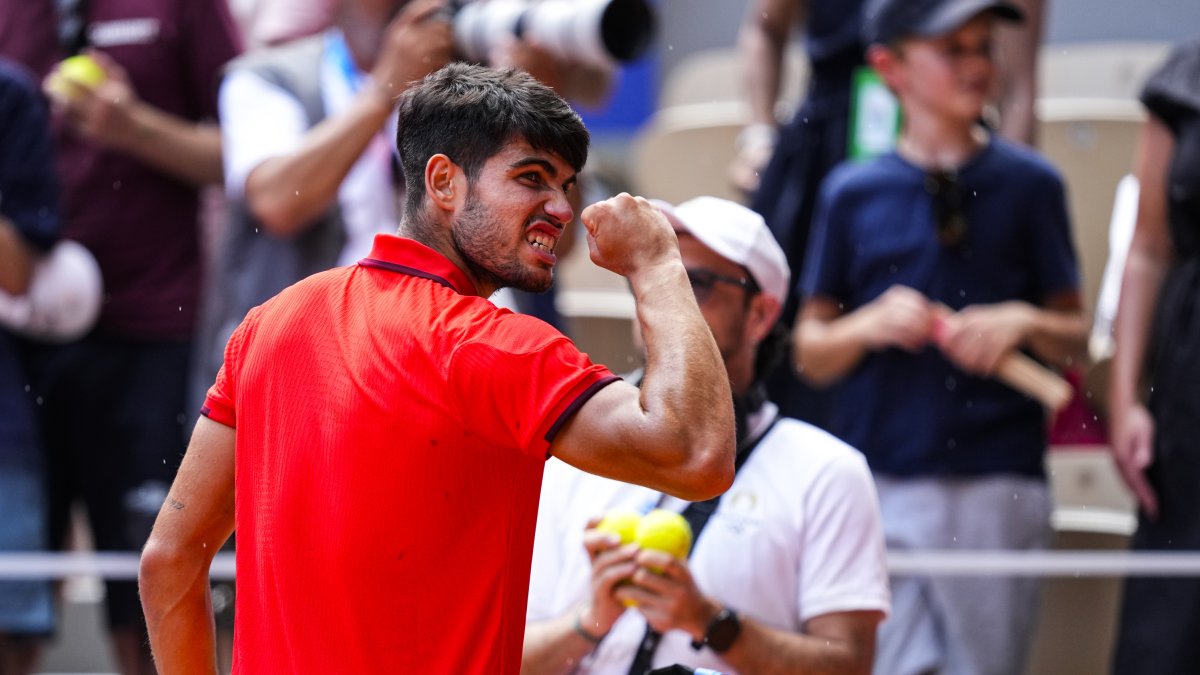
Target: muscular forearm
x,y
187,150
16,260
685,395
178,606
289,192
192,525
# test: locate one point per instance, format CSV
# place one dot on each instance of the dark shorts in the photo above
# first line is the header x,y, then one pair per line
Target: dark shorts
x,y
113,422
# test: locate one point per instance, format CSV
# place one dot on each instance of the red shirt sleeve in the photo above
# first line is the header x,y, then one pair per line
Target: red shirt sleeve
x,y
520,381
219,401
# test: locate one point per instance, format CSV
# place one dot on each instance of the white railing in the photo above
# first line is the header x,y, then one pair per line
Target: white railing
x,y
902,563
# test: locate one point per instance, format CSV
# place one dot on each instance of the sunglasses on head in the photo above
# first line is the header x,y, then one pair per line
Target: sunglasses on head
x,y
948,211
703,281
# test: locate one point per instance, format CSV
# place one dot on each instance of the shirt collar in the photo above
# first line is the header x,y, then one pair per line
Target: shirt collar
x,y
409,256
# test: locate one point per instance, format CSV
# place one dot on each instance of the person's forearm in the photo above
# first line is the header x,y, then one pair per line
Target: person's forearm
x,y
16,260
762,650
762,42
189,151
288,193
1058,337
178,605
1019,47
824,351
553,647
685,393
1140,285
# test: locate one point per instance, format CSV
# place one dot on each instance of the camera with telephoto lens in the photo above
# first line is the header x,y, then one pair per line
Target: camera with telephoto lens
x,y
599,32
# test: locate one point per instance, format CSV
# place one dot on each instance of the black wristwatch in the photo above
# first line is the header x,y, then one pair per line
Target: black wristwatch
x,y
724,628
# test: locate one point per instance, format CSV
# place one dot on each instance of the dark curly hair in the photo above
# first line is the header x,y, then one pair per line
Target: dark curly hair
x,y
469,112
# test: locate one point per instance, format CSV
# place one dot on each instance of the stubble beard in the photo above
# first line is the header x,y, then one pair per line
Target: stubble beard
x,y
480,242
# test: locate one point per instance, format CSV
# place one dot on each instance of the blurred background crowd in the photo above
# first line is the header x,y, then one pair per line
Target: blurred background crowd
x,y
205,155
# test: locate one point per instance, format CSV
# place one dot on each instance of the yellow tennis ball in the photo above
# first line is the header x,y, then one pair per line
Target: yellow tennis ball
x,y
82,69
71,73
621,522
666,531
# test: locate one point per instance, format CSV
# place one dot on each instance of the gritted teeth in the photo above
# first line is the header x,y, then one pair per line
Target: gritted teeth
x,y
543,241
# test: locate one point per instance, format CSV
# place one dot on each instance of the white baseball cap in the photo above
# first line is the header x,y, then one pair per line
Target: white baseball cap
x,y
737,234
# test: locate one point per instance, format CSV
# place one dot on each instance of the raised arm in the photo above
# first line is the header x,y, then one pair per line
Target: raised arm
x,y
193,524
288,192
675,433
762,42
1019,46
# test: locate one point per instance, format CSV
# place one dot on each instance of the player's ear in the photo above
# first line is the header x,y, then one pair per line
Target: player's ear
x,y
445,182
764,312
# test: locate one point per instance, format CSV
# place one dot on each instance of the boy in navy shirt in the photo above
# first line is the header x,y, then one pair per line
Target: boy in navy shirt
x,y
925,269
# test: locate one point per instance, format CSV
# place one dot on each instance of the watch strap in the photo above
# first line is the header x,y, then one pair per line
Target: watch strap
x,y
722,631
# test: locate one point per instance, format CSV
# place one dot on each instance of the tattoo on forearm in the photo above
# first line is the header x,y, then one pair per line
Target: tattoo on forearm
x,y
175,503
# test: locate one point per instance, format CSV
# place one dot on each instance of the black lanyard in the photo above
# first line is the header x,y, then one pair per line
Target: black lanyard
x,y
72,25
697,515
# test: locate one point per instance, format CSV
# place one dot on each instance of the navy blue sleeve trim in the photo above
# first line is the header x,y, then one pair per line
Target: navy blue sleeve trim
x,y
206,411
570,410
403,269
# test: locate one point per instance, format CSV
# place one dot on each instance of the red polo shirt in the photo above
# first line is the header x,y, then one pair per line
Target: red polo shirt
x,y
392,428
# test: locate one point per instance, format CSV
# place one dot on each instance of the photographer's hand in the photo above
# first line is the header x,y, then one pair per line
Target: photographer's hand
x,y
417,42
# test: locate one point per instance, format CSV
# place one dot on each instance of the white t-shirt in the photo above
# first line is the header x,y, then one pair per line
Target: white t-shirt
x,y
798,535
260,121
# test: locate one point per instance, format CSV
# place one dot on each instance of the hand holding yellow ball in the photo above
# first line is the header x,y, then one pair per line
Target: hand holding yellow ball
x,y
622,523
667,531
659,530
65,81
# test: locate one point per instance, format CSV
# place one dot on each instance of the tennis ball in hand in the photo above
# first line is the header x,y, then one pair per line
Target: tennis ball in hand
x,y
621,522
666,531
70,74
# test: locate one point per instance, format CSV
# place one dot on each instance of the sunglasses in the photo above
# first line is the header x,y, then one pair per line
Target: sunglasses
x,y
948,211
703,281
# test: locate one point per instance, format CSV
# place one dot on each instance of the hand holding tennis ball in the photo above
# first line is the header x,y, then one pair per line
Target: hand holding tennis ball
x,y
78,71
666,531
622,523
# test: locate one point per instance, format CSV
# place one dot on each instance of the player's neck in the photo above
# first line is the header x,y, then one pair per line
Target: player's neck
x,y
938,144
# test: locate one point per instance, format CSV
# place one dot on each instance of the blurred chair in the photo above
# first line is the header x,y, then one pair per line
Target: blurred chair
x,y
1092,142
714,75
1115,69
684,151
1093,511
598,309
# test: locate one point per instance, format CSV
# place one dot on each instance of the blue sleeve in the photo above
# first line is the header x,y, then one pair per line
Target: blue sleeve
x,y
1054,259
28,184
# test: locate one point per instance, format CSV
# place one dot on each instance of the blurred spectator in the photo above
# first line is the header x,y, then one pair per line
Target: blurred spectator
x,y
310,171
788,570
1153,403
272,22
133,147
928,267
793,161
28,228
583,83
